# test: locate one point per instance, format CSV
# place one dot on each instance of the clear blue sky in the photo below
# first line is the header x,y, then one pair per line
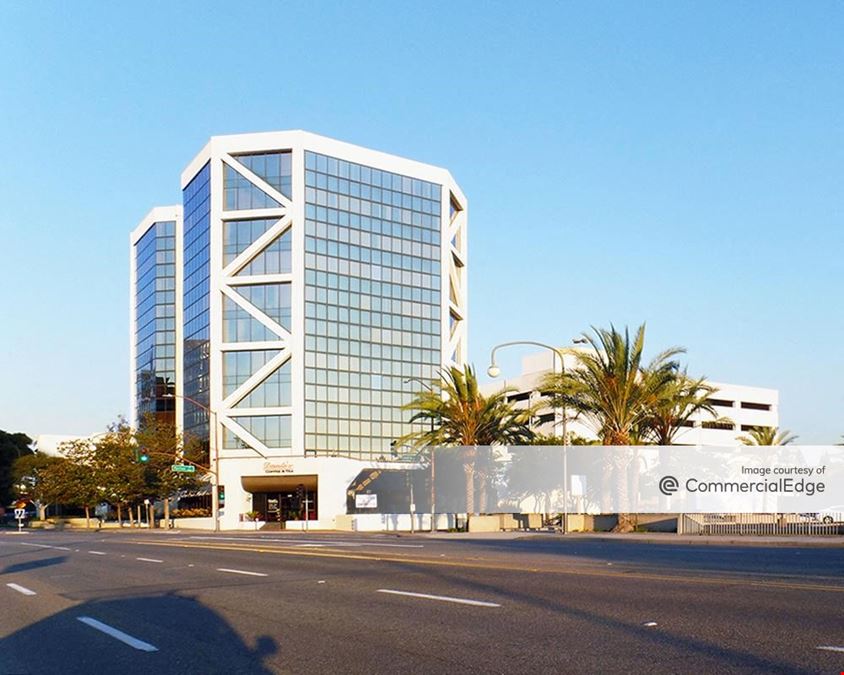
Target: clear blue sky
x,y
675,163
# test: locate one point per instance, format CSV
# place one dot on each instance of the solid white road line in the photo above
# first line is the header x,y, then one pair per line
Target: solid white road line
x,y
443,598
117,634
97,552
155,560
21,589
828,648
251,574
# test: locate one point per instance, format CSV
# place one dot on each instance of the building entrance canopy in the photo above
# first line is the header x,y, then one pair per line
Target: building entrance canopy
x,y
278,483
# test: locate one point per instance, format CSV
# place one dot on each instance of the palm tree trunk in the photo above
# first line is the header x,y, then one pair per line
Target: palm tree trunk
x,y
469,473
87,517
119,515
633,480
167,513
621,463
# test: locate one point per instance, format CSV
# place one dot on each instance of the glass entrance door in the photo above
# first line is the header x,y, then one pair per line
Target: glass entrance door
x,y
279,507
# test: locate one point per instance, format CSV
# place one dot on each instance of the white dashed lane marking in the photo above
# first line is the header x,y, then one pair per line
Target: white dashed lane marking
x,y
441,598
21,589
125,638
251,574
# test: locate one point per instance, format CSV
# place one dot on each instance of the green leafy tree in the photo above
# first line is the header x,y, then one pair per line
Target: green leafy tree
x,y
30,474
768,436
79,480
12,447
160,441
458,414
121,476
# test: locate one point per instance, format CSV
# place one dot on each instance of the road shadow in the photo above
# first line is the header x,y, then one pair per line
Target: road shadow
x,y
188,638
598,619
33,564
707,556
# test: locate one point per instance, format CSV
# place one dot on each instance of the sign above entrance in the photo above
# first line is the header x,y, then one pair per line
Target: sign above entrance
x,y
278,467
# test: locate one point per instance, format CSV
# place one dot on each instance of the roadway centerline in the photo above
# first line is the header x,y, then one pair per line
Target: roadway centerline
x,y
829,648
21,589
442,598
152,560
251,574
97,553
125,638
316,542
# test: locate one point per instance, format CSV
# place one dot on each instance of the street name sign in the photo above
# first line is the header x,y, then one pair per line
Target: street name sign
x,y
183,468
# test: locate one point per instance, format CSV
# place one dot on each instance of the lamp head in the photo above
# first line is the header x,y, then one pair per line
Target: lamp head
x,y
493,371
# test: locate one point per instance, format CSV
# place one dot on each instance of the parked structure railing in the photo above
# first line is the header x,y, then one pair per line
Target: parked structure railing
x,y
755,524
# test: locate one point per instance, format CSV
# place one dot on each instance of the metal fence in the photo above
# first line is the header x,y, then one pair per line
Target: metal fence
x,y
755,524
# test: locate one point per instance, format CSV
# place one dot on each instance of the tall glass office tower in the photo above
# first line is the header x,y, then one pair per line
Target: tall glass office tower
x,y
153,307
322,284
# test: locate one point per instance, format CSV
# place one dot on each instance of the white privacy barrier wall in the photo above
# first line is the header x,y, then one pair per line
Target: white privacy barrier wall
x,y
620,479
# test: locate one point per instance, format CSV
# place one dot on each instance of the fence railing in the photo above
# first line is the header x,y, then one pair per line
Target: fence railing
x,y
755,524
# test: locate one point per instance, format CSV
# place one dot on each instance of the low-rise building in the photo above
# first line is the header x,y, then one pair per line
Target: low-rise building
x,y
739,408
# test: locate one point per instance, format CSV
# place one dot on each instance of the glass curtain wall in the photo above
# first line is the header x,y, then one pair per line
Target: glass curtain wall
x,y
155,325
372,304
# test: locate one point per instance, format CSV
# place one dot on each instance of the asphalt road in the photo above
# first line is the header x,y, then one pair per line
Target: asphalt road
x,y
148,602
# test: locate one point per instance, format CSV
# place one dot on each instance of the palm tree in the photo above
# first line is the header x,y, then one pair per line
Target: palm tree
x,y
767,436
459,415
614,391
611,387
681,399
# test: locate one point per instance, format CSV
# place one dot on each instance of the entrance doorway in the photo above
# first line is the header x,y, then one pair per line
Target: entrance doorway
x,y
279,507
279,499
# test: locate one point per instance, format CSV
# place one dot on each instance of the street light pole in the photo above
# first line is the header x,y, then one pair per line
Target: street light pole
x,y
215,472
494,371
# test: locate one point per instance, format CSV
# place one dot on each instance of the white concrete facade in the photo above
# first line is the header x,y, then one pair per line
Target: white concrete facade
x,y
740,407
255,459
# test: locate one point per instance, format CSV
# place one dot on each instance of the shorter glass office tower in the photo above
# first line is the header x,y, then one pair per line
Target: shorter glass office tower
x,y
316,284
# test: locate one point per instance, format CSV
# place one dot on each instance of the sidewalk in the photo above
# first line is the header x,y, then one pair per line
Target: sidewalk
x,y
667,538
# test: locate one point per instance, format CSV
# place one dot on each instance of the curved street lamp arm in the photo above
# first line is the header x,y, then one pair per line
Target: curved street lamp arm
x,y
557,351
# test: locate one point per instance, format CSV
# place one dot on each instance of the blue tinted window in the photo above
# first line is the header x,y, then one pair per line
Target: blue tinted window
x,y
240,194
372,303
197,209
273,167
155,329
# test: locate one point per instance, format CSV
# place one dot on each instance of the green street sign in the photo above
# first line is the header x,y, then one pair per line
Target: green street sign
x,y
183,468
